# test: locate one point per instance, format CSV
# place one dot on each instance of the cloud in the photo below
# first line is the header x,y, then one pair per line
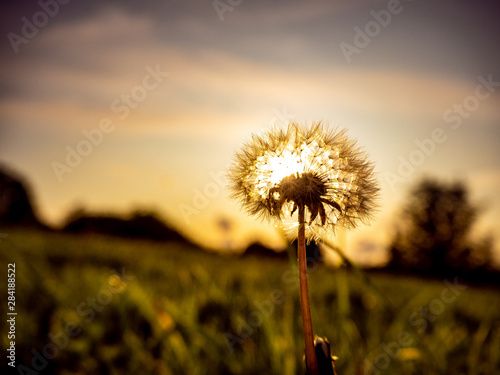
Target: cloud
x,y
210,84
279,15
109,26
80,67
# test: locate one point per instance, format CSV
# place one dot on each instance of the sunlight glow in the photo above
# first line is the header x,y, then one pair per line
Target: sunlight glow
x,y
281,166
313,168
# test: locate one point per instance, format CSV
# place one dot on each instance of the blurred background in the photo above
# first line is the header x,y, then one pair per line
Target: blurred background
x,y
118,120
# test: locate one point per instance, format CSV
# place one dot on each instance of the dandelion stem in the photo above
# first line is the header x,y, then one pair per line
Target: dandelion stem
x,y
311,362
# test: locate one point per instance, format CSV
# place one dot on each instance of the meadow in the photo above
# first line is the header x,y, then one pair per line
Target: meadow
x,y
101,305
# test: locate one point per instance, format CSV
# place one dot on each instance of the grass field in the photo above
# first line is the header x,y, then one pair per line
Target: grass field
x,y
94,305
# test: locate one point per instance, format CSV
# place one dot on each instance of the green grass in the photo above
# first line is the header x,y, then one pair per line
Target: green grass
x,y
134,307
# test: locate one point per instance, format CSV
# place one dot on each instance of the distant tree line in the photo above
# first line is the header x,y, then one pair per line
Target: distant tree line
x,y
17,209
433,234
140,224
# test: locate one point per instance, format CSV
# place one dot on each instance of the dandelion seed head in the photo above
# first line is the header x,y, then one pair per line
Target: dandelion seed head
x,y
312,167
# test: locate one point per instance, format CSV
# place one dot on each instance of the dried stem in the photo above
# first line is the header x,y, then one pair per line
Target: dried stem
x,y
311,362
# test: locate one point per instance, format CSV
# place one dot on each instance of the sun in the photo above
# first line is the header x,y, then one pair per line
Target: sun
x,y
320,170
273,166
284,165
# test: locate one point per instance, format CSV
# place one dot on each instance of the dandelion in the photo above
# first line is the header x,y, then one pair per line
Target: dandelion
x,y
321,171
310,179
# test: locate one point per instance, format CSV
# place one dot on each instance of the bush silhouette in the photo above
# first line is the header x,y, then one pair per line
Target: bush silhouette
x,y
146,225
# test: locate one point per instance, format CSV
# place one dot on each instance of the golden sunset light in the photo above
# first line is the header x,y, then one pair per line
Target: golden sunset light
x,y
158,113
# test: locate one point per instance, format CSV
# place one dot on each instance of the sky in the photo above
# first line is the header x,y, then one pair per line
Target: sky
x,y
122,105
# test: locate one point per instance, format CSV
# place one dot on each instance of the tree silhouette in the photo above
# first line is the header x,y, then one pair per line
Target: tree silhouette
x,y
16,206
433,235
